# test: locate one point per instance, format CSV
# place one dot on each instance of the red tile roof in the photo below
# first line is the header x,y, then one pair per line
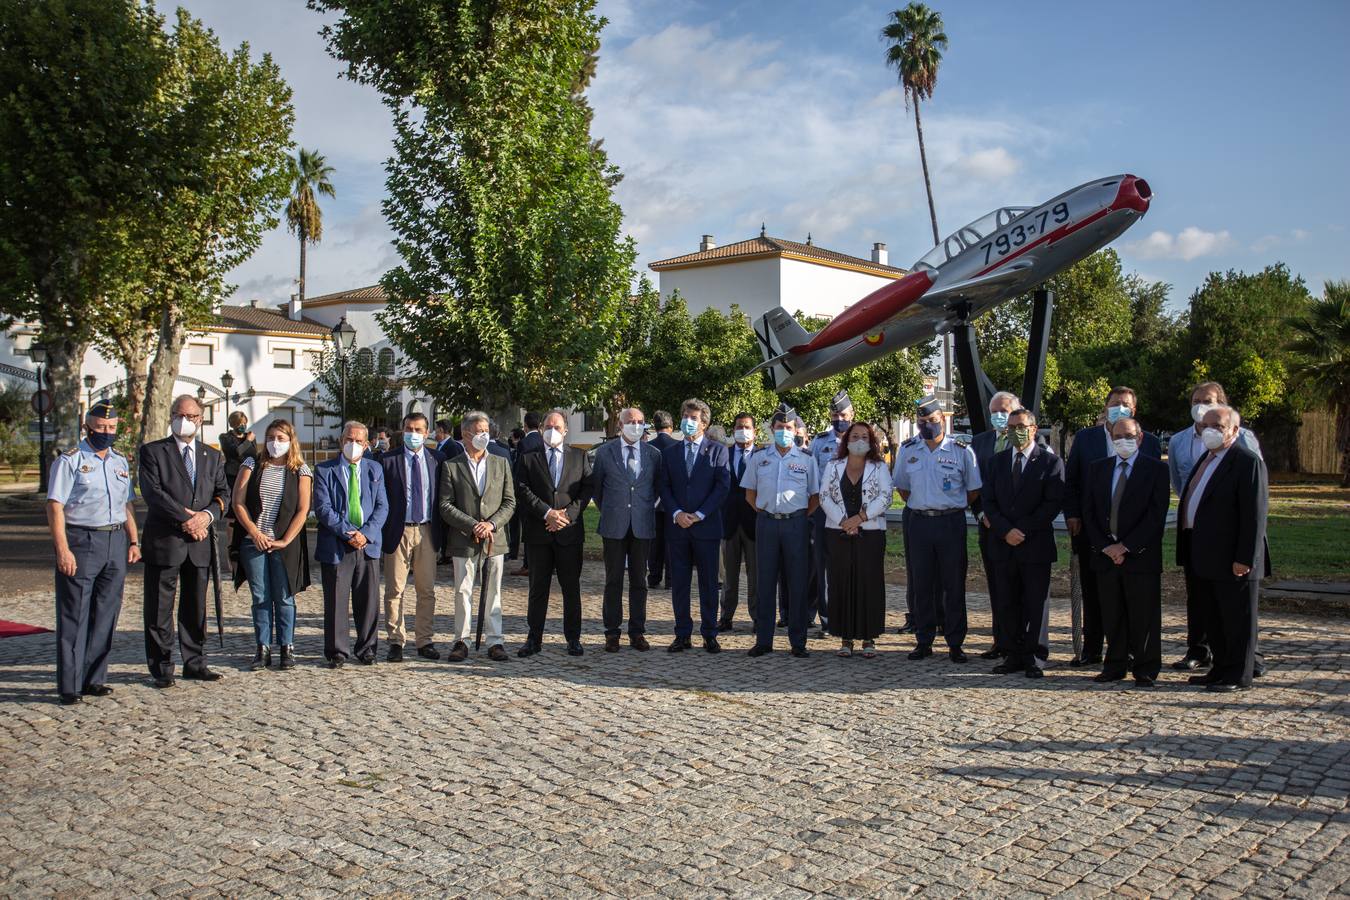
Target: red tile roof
x,y
372,294
764,247
270,319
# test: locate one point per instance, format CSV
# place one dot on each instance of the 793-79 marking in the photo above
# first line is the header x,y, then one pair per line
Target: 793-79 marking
x,y
1017,235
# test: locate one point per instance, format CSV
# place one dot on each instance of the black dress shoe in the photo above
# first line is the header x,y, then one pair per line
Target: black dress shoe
x,y
337,662
1190,664
529,648
1201,679
1143,681
724,627
710,644
757,650
653,582
800,652
97,690
611,643
71,699
1226,687
367,659
1008,668
679,644
287,657
262,658
1089,661
782,623
429,651
574,648
1259,669
394,653
1034,672
907,628
163,681
993,653
202,674
921,652
1107,677
957,655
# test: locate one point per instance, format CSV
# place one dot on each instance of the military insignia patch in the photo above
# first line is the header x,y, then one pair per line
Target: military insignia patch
x,y
912,459
85,470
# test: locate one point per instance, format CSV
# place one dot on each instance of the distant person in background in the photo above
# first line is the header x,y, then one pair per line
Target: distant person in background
x,y
382,443
718,435
532,440
446,432
513,529
824,447
738,530
658,562
236,445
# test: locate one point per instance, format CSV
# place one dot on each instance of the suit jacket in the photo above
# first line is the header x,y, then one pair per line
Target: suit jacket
x,y
625,502
662,442
982,445
462,507
1089,445
169,494
531,442
450,448
1032,508
1230,520
1180,459
1142,517
737,514
536,495
330,508
702,490
396,488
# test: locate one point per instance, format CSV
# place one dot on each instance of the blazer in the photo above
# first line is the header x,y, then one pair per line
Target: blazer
x,y
1180,459
703,490
982,445
169,494
462,507
396,488
450,448
877,491
625,502
1230,520
531,442
330,508
1031,509
1089,445
536,495
737,514
1143,514
662,442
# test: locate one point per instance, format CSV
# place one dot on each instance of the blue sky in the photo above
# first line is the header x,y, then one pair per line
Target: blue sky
x,y
726,115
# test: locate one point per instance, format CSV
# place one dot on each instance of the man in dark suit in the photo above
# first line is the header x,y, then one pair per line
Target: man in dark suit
x,y
1089,445
1221,543
412,537
693,489
738,529
1024,494
446,443
183,483
626,476
531,442
985,446
658,560
1124,514
553,486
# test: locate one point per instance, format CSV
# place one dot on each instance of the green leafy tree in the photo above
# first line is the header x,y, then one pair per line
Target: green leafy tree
x,y
309,175
1320,359
897,379
370,390
16,450
915,41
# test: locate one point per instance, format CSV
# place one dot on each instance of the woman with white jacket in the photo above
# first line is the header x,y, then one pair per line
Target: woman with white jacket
x,y
855,492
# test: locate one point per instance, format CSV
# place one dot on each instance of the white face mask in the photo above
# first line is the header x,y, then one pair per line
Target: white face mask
x,y
745,435
859,448
553,437
1212,438
352,450
1198,411
1125,447
632,431
480,440
184,427
278,448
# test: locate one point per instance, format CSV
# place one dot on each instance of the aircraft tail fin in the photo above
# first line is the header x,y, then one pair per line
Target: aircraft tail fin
x,y
777,332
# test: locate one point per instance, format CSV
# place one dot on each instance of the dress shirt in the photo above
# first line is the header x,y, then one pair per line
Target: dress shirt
x,y
635,450
684,457
1198,490
192,445
1025,453
1129,468
479,470
416,510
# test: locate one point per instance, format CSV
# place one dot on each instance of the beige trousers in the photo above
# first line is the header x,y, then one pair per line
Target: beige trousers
x,y
470,573
416,554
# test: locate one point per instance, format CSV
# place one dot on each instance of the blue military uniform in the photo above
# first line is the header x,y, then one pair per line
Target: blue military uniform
x,y
94,492
783,484
938,481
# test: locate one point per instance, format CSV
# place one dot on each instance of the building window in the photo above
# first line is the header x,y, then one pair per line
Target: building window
x,y
201,354
283,358
594,420
365,359
386,361
279,410
209,414
313,360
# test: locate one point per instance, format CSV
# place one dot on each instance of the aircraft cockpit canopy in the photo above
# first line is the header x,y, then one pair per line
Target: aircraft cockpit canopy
x,y
964,238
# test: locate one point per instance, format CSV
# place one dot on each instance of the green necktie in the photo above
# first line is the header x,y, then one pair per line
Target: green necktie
x,y
1000,443
354,495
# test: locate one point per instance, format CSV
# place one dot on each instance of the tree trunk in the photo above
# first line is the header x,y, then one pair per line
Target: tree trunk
x,y
134,355
65,358
159,392
301,285
927,182
1343,439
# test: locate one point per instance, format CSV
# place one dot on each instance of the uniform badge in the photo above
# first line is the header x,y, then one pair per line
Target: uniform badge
x,y
86,469
912,459
122,474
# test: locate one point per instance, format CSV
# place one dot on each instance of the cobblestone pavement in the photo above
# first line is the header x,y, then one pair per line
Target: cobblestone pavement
x,y
680,775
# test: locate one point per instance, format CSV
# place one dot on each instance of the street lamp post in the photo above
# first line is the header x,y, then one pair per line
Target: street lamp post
x,y
201,399
313,424
227,382
344,340
89,382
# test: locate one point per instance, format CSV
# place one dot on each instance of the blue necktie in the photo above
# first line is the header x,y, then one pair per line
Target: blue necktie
x,y
690,455
419,508
632,463
191,466
554,467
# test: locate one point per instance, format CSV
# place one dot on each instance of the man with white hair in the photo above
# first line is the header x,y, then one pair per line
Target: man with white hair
x,y
1221,543
985,446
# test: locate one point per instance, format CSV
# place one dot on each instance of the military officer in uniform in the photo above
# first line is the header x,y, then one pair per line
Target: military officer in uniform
x,y
823,449
93,525
937,478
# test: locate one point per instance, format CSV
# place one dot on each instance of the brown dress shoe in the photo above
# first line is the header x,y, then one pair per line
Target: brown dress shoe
x,y
497,653
639,642
459,652
611,643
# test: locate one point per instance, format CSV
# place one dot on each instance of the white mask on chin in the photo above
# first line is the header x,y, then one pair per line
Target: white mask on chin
x,y
183,427
553,437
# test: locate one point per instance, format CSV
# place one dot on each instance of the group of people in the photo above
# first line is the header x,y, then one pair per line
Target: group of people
x,y
806,516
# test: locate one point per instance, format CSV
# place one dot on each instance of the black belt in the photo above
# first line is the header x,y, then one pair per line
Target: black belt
x,y
936,512
118,527
781,516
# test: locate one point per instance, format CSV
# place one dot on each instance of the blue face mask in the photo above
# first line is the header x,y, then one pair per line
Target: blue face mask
x,y
99,440
931,431
413,440
1115,413
999,420
841,426
782,437
689,427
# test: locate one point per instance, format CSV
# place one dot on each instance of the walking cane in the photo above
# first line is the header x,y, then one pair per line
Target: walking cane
x,y
482,594
1076,604
215,583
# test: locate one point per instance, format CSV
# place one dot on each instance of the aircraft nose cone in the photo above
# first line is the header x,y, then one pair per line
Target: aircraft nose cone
x,y
1134,194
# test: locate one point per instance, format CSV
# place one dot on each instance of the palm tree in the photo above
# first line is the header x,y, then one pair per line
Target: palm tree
x,y
1321,359
309,176
916,41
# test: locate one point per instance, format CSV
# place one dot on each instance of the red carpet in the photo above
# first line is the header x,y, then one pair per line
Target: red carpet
x,y
17,629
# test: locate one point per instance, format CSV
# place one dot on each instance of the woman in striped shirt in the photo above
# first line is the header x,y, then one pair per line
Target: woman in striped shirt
x,y
271,503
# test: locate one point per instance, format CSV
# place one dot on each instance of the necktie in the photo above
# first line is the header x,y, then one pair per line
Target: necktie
x,y
690,454
419,508
1000,443
554,465
1117,494
1017,471
740,467
632,462
354,495
191,465
1185,506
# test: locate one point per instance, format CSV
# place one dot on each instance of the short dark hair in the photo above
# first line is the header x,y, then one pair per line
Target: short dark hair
x,y
415,417
873,442
742,415
784,418
382,430
1120,390
518,433
661,420
693,404
1214,386
532,420
443,424
1031,416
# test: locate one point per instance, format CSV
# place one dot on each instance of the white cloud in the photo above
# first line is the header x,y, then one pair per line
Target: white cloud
x,y
1188,244
994,164
1271,241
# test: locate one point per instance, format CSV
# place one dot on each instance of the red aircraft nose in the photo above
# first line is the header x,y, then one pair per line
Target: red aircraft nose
x,y
1134,194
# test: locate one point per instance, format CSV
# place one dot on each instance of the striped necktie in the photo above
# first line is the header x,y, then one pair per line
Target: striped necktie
x,y
191,464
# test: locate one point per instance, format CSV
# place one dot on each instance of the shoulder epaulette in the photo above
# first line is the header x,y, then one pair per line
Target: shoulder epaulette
x,y
72,451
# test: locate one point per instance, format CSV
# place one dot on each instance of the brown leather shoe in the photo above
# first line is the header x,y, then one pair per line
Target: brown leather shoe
x,y
639,642
611,643
497,653
459,652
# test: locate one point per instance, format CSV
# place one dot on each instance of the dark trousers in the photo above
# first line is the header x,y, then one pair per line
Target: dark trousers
x,y
87,605
781,546
161,583
1132,621
938,546
738,550
905,516
513,535
658,557
351,587
820,565
546,559
1021,593
1228,609
991,579
626,555
1093,631
1197,642
686,555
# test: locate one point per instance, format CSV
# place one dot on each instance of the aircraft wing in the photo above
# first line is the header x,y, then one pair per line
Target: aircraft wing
x,y
978,288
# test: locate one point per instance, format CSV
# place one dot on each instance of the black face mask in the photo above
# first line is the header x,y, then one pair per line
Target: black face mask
x,y
100,440
240,429
799,440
